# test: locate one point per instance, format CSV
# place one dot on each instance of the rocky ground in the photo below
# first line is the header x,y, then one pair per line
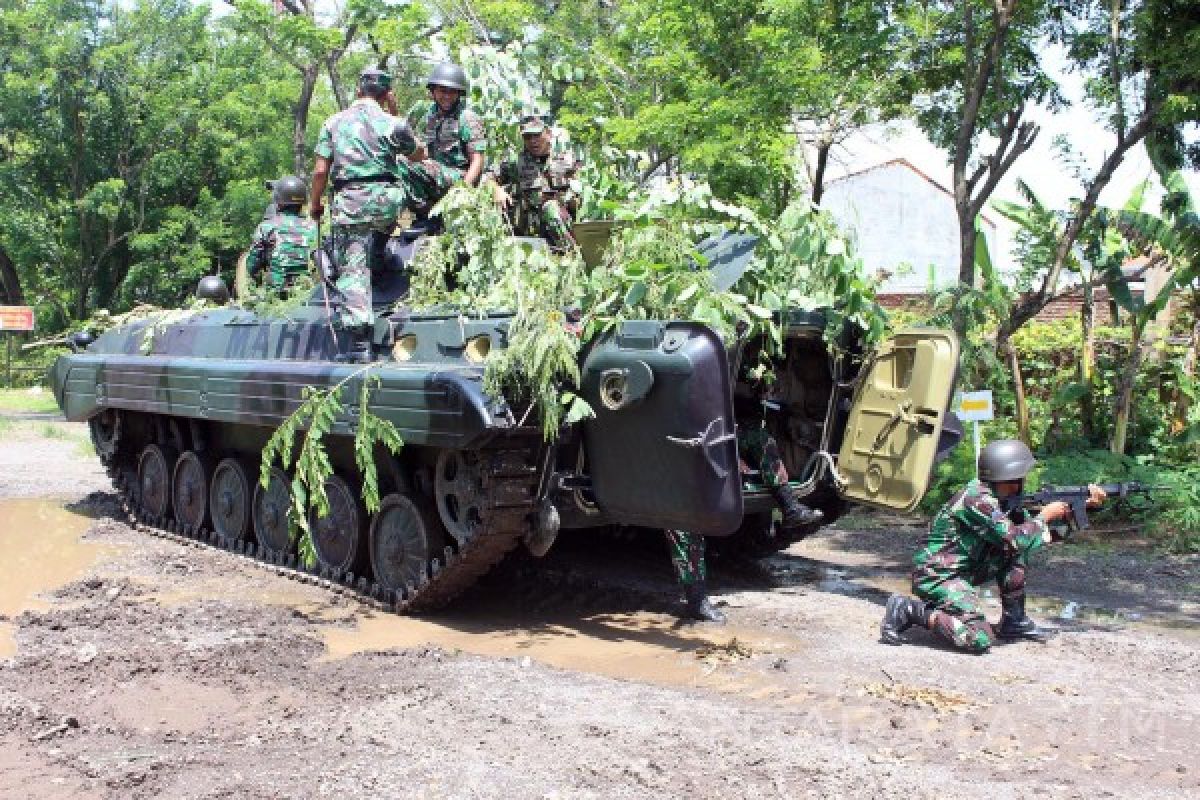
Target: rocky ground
x,y
131,667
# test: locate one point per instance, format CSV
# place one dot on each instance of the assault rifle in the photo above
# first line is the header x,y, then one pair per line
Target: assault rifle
x,y
1076,497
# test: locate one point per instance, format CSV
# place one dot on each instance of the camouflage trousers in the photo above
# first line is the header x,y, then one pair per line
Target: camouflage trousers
x,y
687,556
957,608
427,181
354,256
550,219
758,450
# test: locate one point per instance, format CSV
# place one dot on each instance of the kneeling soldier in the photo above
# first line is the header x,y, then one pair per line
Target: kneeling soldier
x,y
971,541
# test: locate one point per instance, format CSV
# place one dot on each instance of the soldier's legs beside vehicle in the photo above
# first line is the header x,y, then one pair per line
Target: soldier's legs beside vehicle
x,y
687,556
760,451
956,615
758,448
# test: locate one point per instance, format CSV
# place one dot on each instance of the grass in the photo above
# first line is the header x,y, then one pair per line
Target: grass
x,y
27,400
52,431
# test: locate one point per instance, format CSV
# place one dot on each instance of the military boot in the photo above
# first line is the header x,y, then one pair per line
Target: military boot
x,y
795,513
699,607
1014,624
900,614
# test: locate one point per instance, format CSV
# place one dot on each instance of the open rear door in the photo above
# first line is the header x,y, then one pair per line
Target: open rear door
x,y
892,434
661,450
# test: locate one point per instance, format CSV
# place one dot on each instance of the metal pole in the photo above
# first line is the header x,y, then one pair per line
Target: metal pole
x,y
976,424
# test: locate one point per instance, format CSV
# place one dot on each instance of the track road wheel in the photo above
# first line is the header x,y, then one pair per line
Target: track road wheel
x,y
154,479
272,520
458,487
230,497
105,429
189,490
337,537
403,539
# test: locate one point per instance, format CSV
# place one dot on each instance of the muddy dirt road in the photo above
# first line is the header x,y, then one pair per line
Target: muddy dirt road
x,y
131,667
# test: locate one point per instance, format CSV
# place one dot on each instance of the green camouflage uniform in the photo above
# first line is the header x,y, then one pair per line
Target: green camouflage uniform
x,y
363,142
450,137
971,541
687,556
543,201
283,241
758,449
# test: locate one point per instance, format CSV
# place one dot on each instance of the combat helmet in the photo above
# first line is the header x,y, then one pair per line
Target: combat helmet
x,y
449,76
288,191
373,81
1005,460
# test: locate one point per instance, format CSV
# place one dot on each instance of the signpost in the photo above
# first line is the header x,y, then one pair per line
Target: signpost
x,y
976,407
13,319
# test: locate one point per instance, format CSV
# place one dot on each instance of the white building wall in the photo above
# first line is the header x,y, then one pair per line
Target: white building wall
x,y
901,223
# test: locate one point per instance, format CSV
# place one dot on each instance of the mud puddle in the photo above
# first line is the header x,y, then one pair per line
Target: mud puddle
x,y
642,647
41,549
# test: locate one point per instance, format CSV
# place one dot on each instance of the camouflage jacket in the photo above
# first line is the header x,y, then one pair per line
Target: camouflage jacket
x,y
283,241
451,136
364,141
970,538
531,175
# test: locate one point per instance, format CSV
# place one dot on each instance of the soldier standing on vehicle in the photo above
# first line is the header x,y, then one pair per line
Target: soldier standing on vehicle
x,y
454,140
687,557
363,149
284,240
544,204
971,541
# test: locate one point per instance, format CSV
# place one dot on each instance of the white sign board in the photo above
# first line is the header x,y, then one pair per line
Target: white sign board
x,y
976,406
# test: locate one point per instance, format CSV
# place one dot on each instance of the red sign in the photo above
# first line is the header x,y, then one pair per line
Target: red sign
x,y
16,318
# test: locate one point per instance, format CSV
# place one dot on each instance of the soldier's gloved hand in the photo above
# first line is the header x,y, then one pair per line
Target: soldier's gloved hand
x,y
317,211
1096,496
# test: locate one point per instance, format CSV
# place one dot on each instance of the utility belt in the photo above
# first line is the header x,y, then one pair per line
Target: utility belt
x,y
342,183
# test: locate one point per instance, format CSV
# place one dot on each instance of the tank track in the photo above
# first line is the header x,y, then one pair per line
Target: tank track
x,y
510,480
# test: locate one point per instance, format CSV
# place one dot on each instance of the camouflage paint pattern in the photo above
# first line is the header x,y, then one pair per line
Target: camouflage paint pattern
x,y
364,141
687,556
972,541
286,239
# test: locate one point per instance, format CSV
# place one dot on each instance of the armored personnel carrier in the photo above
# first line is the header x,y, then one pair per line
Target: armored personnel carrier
x,y
180,412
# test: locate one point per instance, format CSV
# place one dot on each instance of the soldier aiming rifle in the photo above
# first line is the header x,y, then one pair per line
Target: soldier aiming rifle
x,y
973,539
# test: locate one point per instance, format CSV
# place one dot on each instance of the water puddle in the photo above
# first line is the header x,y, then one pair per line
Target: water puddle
x,y
643,647
41,549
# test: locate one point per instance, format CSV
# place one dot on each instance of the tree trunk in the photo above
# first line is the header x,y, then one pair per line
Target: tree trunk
x,y
308,78
818,181
1123,411
1087,362
1020,400
966,268
10,281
